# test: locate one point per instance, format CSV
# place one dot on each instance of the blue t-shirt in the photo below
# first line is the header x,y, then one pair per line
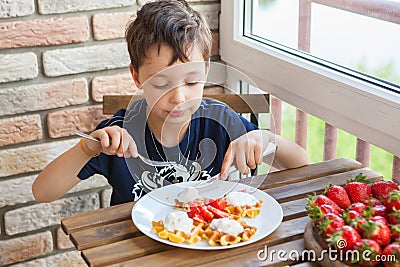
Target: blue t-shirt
x,y
197,157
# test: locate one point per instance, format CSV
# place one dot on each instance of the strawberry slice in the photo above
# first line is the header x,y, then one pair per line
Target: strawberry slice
x,y
206,214
195,213
218,203
217,213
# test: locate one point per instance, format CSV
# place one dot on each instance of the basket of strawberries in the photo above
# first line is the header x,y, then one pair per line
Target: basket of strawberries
x,y
359,222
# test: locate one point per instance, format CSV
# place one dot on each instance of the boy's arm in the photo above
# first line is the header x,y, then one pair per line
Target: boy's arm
x,y
60,175
245,152
289,154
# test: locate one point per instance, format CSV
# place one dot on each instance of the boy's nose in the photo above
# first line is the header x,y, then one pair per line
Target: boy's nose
x,y
177,95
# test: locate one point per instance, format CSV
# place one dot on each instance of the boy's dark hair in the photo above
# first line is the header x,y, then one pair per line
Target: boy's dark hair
x,y
170,22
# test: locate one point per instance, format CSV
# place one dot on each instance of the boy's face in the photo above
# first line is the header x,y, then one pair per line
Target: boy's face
x,y
173,92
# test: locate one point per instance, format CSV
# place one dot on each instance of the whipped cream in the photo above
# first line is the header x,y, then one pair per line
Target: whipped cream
x,y
178,221
240,199
189,194
227,226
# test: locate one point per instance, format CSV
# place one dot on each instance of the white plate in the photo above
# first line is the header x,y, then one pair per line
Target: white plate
x,y
152,207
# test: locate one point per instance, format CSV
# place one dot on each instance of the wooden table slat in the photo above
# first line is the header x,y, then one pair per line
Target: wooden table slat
x,y
123,250
104,234
265,257
287,231
312,171
294,209
91,218
302,189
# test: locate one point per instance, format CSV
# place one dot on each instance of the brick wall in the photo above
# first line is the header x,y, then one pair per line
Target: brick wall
x,y
57,59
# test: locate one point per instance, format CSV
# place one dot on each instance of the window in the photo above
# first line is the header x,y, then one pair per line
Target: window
x,y
364,37
321,86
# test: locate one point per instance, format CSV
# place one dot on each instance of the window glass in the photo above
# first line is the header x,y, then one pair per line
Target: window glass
x,y
359,37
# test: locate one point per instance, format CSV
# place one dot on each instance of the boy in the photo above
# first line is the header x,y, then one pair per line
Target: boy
x,y
169,44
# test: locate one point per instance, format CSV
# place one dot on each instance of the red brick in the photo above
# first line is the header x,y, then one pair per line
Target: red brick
x,y
20,130
26,247
42,32
43,96
112,85
63,241
111,25
64,122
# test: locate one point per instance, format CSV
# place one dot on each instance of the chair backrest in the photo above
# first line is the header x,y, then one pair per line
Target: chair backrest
x,y
240,103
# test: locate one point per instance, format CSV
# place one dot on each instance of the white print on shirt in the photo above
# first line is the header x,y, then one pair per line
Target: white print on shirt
x,y
167,175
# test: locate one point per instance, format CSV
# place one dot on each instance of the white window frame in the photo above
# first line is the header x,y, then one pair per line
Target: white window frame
x,y
358,107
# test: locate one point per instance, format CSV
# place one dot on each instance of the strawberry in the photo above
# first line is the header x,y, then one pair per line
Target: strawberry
x,y
379,219
316,213
339,195
388,251
370,258
379,210
358,189
329,224
344,239
395,233
371,202
392,201
319,200
382,189
357,223
377,231
359,207
393,217
350,215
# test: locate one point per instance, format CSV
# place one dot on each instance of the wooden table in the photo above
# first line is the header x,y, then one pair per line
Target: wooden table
x,y
107,237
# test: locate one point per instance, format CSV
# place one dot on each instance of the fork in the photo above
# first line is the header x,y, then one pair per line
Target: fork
x,y
143,158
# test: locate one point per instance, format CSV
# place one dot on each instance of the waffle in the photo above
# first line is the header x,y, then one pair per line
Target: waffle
x,y
215,238
181,205
245,211
178,236
201,230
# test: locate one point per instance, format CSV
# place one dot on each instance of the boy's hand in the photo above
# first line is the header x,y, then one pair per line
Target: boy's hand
x,y
114,140
245,152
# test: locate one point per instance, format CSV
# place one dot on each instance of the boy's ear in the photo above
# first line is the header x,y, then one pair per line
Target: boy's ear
x,y
135,76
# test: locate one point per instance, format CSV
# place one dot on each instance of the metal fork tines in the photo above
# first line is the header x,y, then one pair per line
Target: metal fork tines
x,y
143,158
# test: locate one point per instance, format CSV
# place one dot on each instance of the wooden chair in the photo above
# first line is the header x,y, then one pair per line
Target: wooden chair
x,y
237,102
